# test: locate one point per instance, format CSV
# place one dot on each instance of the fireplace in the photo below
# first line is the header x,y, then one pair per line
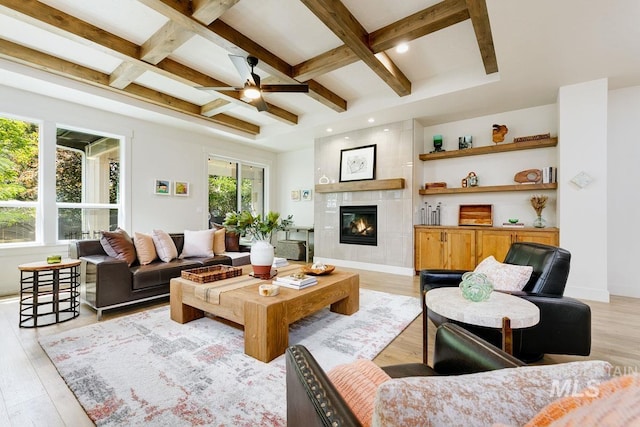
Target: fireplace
x,y
358,225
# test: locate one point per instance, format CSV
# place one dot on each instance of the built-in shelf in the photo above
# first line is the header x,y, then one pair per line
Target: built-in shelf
x,y
490,189
372,185
490,149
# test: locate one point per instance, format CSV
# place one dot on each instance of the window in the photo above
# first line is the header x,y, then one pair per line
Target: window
x,y
19,157
87,183
224,176
86,187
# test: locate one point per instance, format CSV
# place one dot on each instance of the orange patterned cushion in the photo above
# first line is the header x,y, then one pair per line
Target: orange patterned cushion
x,y
357,383
617,401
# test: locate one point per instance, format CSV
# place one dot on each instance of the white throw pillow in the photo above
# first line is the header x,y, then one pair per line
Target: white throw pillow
x,y
198,243
505,277
165,247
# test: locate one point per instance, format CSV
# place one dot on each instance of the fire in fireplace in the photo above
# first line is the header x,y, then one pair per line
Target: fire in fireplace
x,y
358,225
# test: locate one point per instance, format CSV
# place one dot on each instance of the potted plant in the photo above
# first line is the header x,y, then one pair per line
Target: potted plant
x,y
260,230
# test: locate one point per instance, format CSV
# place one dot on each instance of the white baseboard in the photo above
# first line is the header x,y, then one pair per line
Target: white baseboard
x,y
587,293
625,291
402,271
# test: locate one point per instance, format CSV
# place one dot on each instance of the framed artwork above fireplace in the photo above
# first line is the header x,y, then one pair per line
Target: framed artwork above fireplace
x,y
358,164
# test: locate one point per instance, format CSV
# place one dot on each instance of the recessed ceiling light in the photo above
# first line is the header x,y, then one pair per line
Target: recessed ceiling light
x,y
386,130
402,48
371,120
329,130
346,137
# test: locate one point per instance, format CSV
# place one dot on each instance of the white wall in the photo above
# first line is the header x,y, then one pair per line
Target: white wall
x,y
623,201
295,171
583,211
494,169
151,151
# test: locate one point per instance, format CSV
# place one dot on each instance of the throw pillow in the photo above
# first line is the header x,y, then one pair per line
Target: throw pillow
x,y
198,243
357,383
219,241
165,246
505,277
118,244
232,242
509,396
608,403
145,248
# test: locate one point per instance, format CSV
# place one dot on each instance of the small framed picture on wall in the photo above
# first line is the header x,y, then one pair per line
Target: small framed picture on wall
x,y
295,195
162,187
181,188
306,195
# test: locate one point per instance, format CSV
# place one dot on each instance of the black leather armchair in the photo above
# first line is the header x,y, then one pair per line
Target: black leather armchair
x,y
565,323
312,400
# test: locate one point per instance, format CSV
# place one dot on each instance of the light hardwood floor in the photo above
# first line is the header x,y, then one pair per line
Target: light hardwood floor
x,y
32,392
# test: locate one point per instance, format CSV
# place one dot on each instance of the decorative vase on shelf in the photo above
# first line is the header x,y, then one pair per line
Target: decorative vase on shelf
x,y
539,222
261,256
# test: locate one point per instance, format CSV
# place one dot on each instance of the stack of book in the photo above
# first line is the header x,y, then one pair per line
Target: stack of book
x,y
279,262
549,175
295,282
513,224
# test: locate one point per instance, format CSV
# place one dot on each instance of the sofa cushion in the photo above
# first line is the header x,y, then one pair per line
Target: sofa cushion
x,y
160,273
145,248
198,243
357,383
118,244
509,396
164,245
504,277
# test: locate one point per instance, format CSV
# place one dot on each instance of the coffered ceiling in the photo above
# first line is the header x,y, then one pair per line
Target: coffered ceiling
x,y
149,57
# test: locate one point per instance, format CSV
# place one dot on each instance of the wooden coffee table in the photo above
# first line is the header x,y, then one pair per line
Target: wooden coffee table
x,y
266,320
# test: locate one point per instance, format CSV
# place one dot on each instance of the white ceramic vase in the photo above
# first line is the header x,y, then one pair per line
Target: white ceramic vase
x,y
262,254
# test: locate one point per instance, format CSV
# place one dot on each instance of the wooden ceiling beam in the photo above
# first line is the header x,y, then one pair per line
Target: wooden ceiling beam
x,y
53,20
207,11
161,44
337,17
237,43
482,27
42,61
429,20
125,74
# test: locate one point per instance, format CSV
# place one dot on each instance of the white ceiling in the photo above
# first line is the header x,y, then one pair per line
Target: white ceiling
x,y
540,46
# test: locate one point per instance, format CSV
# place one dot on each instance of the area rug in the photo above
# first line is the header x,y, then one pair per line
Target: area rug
x,y
145,369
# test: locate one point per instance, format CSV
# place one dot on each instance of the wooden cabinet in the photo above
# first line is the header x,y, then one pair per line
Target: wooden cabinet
x,y
450,248
497,242
462,248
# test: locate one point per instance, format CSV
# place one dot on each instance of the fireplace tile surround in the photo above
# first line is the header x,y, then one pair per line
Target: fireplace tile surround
x,y
395,207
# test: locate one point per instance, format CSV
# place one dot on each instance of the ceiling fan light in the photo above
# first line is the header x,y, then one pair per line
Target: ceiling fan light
x,y
252,92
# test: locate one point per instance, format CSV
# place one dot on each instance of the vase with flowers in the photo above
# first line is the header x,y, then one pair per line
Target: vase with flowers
x,y
260,229
538,203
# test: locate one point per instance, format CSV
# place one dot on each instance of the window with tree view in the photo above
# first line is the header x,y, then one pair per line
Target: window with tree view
x,y
224,195
87,183
19,155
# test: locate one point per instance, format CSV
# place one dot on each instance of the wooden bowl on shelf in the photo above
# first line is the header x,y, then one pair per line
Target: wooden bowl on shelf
x,y
306,269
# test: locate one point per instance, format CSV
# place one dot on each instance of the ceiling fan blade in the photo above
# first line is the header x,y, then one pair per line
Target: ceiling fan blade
x,y
302,88
259,104
240,62
221,88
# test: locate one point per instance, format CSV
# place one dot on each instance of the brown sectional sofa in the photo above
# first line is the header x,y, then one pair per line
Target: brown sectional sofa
x,y
110,282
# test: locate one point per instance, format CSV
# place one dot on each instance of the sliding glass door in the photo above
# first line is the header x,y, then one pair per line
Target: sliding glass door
x,y
226,195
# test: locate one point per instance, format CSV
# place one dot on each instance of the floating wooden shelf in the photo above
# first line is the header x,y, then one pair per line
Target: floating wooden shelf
x,y
490,149
377,184
490,189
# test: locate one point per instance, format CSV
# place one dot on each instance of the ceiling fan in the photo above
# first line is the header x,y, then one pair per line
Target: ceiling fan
x,y
252,88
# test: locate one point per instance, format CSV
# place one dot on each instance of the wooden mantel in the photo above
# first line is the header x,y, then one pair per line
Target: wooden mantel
x,y
378,184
